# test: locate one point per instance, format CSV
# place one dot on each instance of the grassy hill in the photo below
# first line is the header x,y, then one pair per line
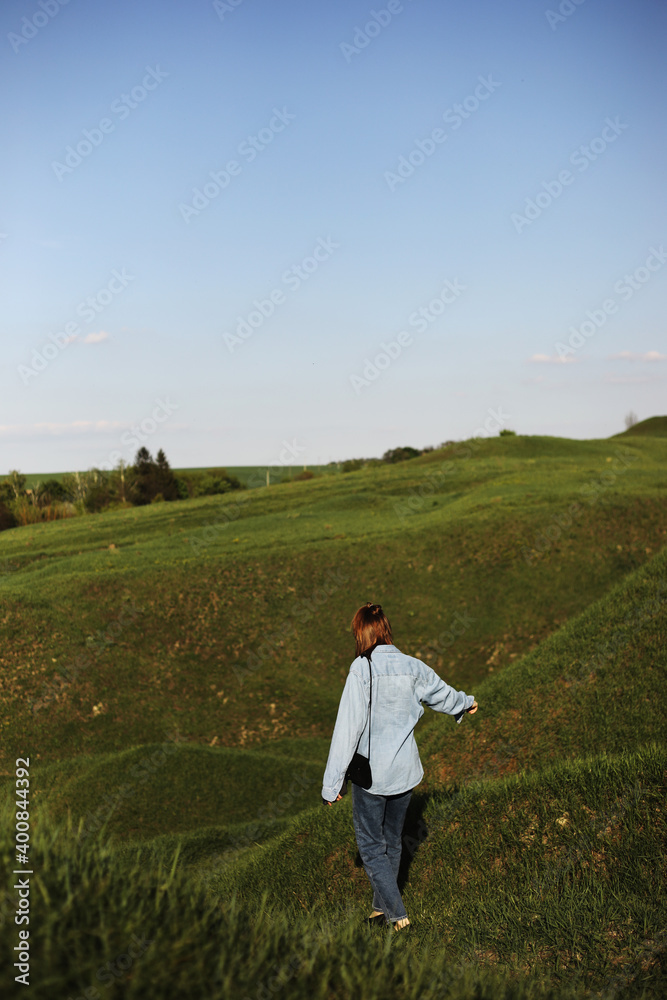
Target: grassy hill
x,y
174,671
562,868
654,427
546,886
227,622
139,793
592,693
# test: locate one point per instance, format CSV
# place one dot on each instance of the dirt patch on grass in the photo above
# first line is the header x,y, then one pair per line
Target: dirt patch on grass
x,y
343,876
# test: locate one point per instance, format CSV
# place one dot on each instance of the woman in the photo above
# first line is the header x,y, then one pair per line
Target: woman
x,y
400,684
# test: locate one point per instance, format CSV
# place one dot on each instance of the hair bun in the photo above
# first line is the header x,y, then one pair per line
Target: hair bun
x,y
370,628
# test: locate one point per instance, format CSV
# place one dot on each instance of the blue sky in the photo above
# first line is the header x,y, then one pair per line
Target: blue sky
x,y
363,161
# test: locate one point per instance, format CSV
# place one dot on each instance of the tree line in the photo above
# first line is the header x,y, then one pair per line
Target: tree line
x,y
147,480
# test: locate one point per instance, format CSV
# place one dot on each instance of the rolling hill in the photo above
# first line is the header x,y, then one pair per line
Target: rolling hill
x,y
174,671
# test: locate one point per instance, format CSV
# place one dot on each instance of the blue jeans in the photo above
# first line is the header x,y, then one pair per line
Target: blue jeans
x,y
378,826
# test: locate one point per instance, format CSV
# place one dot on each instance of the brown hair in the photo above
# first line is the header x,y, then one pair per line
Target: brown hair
x,y
370,628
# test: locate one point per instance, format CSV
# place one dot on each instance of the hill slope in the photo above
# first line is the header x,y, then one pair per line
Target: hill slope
x,y
654,427
596,684
184,665
227,622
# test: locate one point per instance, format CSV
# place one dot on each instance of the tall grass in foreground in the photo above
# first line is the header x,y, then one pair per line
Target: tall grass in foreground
x,y
561,871
497,912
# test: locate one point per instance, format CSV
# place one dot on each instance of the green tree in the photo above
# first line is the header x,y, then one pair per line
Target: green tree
x,y
17,483
100,491
213,482
7,519
400,454
76,485
144,472
52,491
165,480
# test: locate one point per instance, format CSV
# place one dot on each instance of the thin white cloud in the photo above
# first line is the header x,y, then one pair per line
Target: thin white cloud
x,y
633,356
95,338
549,359
74,427
631,379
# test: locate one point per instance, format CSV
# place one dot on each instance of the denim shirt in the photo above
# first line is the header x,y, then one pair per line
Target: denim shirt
x,y
401,684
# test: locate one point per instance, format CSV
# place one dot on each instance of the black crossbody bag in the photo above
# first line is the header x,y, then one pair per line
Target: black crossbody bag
x,y
359,769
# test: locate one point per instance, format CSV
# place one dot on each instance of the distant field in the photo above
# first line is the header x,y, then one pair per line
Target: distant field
x,y
249,475
255,475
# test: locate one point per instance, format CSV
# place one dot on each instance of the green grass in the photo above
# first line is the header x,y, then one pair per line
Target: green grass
x,y
519,869
179,630
596,683
655,426
180,787
547,886
174,672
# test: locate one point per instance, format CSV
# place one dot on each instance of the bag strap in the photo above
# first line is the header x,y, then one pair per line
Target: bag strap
x,y
368,653
370,706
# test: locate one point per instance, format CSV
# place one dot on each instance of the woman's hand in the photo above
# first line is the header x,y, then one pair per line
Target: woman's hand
x,y
473,708
338,798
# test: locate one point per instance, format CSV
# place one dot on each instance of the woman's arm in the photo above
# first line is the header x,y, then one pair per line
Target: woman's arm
x,y
350,722
438,695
